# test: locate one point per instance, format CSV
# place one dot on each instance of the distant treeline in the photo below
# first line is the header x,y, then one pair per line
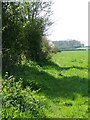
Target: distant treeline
x,y
68,45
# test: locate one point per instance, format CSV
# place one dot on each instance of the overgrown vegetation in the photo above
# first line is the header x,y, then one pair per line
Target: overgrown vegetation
x,y
24,30
18,102
55,89
36,85
24,27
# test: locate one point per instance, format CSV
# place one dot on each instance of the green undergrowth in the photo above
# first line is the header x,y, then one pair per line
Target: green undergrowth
x,y
57,88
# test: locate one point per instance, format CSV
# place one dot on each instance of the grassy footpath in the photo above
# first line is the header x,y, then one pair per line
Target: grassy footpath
x,y
62,84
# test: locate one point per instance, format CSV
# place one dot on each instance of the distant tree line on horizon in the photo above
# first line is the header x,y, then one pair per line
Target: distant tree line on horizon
x,y
68,44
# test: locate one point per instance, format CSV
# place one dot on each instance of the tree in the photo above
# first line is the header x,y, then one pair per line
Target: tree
x,y
24,25
10,33
38,20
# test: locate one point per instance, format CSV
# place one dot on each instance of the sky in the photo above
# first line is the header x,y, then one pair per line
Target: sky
x,y
70,19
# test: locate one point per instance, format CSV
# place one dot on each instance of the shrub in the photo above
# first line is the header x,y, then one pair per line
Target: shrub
x,y
18,102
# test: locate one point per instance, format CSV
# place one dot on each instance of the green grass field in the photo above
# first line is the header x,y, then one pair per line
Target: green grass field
x,y
62,84
66,85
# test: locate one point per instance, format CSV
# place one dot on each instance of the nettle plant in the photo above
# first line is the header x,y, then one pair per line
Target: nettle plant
x,y
18,101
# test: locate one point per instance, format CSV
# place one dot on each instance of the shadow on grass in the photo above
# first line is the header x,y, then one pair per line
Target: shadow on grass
x,y
76,67
57,67
50,86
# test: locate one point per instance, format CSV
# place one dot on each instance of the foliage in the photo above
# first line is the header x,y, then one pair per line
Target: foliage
x,y
57,88
10,33
19,102
62,81
24,25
